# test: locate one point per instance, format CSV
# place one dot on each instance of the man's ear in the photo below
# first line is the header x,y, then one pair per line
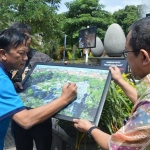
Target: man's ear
x,y
145,57
2,54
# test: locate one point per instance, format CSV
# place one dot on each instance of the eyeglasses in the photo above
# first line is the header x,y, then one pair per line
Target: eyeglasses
x,y
125,53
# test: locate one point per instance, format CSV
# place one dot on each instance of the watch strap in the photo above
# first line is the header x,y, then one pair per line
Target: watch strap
x,y
90,130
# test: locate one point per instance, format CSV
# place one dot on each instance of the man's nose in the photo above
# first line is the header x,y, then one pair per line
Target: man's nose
x,y
25,57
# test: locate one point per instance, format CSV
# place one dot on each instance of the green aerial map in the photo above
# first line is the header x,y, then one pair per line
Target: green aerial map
x,y
45,84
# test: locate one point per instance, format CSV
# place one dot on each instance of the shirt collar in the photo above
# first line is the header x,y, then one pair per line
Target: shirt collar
x,y
4,69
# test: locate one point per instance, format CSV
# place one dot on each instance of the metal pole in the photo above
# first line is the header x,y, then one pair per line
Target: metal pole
x,y
86,56
74,50
86,53
64,48
51,48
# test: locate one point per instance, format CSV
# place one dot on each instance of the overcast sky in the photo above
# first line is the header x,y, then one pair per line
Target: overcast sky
x,y
110,5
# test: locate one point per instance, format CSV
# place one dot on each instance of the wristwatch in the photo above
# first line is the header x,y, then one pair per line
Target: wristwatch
x,y
90,130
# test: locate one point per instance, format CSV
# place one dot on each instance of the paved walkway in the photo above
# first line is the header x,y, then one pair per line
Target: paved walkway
x,y
13,148
60,139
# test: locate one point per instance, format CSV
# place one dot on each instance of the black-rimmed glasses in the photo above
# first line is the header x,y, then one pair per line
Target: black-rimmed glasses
x,y
125,53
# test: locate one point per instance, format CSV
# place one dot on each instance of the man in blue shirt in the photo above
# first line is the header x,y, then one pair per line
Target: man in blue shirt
x,y
13,56
41,133
10,102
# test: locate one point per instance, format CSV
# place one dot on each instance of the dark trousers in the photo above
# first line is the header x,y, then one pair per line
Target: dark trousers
x,y
40,133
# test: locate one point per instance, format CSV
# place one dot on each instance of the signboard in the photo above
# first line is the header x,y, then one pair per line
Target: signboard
x,y
119,62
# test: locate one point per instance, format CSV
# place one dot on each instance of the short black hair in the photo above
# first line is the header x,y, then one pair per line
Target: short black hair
x,y
140,35
11,38
21,27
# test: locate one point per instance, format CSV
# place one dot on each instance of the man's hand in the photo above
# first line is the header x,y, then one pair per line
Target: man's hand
x,y
69,92
82,125
18,85
116,73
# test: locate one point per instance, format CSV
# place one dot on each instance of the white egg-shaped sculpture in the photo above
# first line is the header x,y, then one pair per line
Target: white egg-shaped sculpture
x,y
99,49
114,40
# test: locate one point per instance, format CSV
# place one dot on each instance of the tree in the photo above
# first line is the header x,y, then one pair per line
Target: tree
x,y
125,17
39,14
85,13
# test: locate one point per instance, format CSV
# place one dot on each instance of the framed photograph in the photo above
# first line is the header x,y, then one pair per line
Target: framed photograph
x,y
44,82
87,38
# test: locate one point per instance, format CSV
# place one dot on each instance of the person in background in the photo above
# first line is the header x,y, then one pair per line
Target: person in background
x,y
41,133
33,55
135,132
13,56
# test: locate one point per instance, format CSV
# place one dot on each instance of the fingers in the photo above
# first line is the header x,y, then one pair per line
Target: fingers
x,y
75,120
70,84
76,125
113,67
74,84
67,84
82,124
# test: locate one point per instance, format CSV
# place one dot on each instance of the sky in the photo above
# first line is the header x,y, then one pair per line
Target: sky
x,y
110,5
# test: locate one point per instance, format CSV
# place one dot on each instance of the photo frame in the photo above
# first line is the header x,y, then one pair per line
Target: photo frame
x,y
44,82
87,38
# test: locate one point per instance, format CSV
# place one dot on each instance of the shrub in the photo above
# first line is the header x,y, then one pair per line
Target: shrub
x,y
116,108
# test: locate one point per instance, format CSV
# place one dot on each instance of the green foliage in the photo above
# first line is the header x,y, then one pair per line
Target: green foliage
x,y
82,14
117,107
69,55
42,16
39,14
30,92
125,17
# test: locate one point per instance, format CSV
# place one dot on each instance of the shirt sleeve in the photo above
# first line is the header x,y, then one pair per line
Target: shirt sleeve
x,y
47,58
135,134
40,57
10,102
